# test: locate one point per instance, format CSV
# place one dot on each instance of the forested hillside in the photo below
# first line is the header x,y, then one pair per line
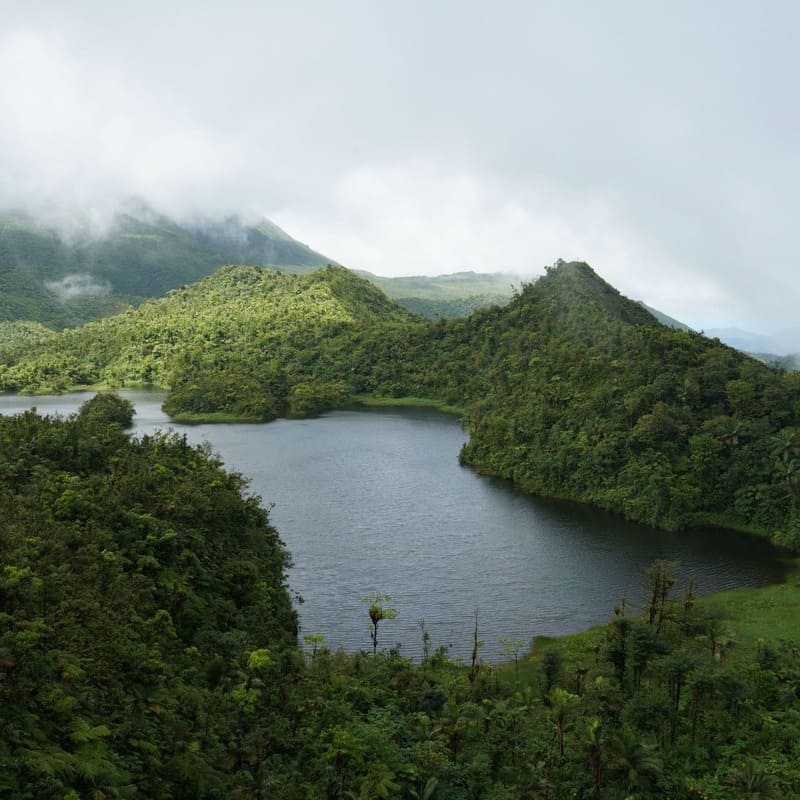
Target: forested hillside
x,y
571,390
143,611
244,340
592,400
68,273
148,651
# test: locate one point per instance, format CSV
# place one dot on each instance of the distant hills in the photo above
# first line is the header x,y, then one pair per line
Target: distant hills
x,y
780,350
67,273
455,295
782,343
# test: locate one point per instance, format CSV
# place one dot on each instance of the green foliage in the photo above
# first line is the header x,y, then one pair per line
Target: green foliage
x,y
139,591
247,341
590,399
570,390
18,335
450,309
379,610
106,408
148,649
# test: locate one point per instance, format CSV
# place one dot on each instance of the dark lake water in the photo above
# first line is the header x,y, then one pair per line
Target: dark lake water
x,y
376,500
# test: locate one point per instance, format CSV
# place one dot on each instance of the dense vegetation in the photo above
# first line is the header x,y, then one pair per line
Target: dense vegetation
x,y
570,390
142,605
592,400
243,341
148,650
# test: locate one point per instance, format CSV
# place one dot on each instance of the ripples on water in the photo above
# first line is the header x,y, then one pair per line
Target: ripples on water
x,y
376,500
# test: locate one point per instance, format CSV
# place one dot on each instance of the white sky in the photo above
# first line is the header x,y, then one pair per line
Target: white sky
x,y
657,141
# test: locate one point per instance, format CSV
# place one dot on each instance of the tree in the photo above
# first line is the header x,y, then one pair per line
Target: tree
x,y
562,705
751,782
379,610
660,576
511,647
594,744
314,641
636,761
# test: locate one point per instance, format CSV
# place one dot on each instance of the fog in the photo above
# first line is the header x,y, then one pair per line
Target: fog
x,y
658,143
76,285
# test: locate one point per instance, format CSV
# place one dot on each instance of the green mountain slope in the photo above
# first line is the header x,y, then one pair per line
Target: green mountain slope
x,y
204,338
590,399
570,390
22,335
447,296
63,277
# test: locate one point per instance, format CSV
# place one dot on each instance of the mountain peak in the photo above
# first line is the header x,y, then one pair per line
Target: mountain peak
x,y
574,284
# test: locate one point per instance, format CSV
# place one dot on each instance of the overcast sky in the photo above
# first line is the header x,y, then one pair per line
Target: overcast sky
x,y
656,140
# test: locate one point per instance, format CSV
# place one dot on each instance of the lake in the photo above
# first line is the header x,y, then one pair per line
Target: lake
x,y
375,500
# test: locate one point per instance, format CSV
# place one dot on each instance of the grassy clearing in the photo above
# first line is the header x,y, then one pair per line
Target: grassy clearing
x,y
212,418
770,614
752,617
356,401
407,402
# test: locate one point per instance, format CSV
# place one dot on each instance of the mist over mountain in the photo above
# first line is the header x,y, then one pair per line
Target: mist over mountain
x,y
63,270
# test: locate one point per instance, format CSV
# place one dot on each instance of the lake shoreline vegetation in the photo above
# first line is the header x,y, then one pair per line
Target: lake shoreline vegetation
x,y
149,648
569,391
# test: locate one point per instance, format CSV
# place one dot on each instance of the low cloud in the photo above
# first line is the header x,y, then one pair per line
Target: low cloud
x,y
77,285
79,141
413,217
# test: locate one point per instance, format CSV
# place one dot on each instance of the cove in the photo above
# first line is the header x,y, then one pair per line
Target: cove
x,y
375,499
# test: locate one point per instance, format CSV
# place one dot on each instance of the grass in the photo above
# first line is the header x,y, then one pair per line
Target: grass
x,y
212,418
360,400
769,614
752,617
727,522
407,402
